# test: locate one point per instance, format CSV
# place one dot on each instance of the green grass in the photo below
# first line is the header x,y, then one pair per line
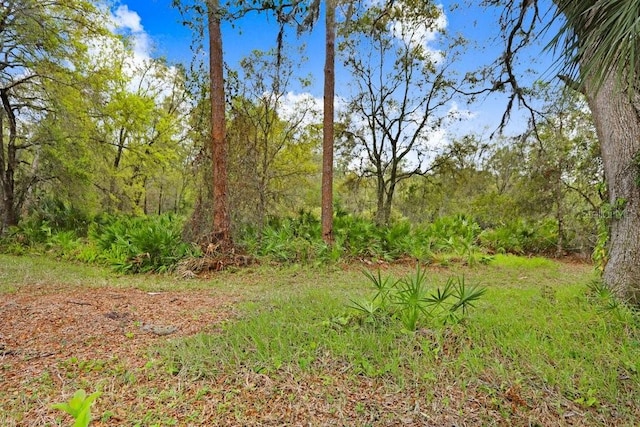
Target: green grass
x,y
535,331
525,263
537,350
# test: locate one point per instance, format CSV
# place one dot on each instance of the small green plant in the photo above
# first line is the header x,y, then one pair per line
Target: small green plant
x,y
607,302
410,301
587,399
79,407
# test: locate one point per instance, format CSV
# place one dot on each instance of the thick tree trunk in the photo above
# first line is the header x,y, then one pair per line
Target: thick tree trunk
x,y
617,121
221,218
327,125
8,163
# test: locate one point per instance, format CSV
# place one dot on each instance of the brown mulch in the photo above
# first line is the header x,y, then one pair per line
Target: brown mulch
x,y
41,323
44,326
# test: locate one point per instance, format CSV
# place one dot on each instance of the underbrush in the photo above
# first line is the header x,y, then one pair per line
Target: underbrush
x,y
155,244
127,244
448,240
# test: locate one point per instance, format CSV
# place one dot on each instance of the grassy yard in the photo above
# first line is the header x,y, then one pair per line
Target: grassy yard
x,y
540,348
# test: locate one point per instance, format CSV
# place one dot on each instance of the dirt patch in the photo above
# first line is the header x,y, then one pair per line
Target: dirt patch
x,y
44,324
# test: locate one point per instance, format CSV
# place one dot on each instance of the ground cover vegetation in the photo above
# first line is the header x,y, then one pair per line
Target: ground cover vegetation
x,y
265,344
167,258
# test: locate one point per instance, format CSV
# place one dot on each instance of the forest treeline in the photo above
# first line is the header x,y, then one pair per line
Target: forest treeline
x,y
106,155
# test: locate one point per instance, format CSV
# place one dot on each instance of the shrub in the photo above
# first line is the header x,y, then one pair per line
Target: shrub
x,y
62,216
521,237
359,237
299,239
145,244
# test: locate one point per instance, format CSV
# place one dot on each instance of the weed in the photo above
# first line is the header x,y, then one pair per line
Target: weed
x,y
79,407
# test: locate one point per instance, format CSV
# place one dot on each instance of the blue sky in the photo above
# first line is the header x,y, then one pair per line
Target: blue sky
x,y
162,34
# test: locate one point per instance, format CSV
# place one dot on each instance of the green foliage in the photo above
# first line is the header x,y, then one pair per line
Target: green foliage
x,y
64,244
608,303
54,226
49,40
409,300
30,232
299,239
521,237
79,407
140,245
154,243
594,41
61,216
289,239
456,234
358,236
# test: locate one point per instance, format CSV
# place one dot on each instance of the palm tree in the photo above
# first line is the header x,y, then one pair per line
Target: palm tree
x,y
599,42
602,49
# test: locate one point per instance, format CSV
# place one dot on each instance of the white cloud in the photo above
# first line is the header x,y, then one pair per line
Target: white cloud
x,y
142,74
142,45
456,113
128,22
292,104
127,19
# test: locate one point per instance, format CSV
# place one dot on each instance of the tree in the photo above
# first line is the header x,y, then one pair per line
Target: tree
x,y
599,42
310,9
108,139
328,122
139,125
42,46
402,94
221,217
561,162
271,137
451,187
285,13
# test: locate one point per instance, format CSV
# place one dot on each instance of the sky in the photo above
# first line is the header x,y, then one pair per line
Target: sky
x,y
156,29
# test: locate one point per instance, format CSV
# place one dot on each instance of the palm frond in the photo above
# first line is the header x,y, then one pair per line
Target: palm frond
x,y
600,37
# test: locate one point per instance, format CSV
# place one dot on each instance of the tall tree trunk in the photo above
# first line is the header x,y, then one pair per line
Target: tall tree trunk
x,y
617,121
221,218
327,124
